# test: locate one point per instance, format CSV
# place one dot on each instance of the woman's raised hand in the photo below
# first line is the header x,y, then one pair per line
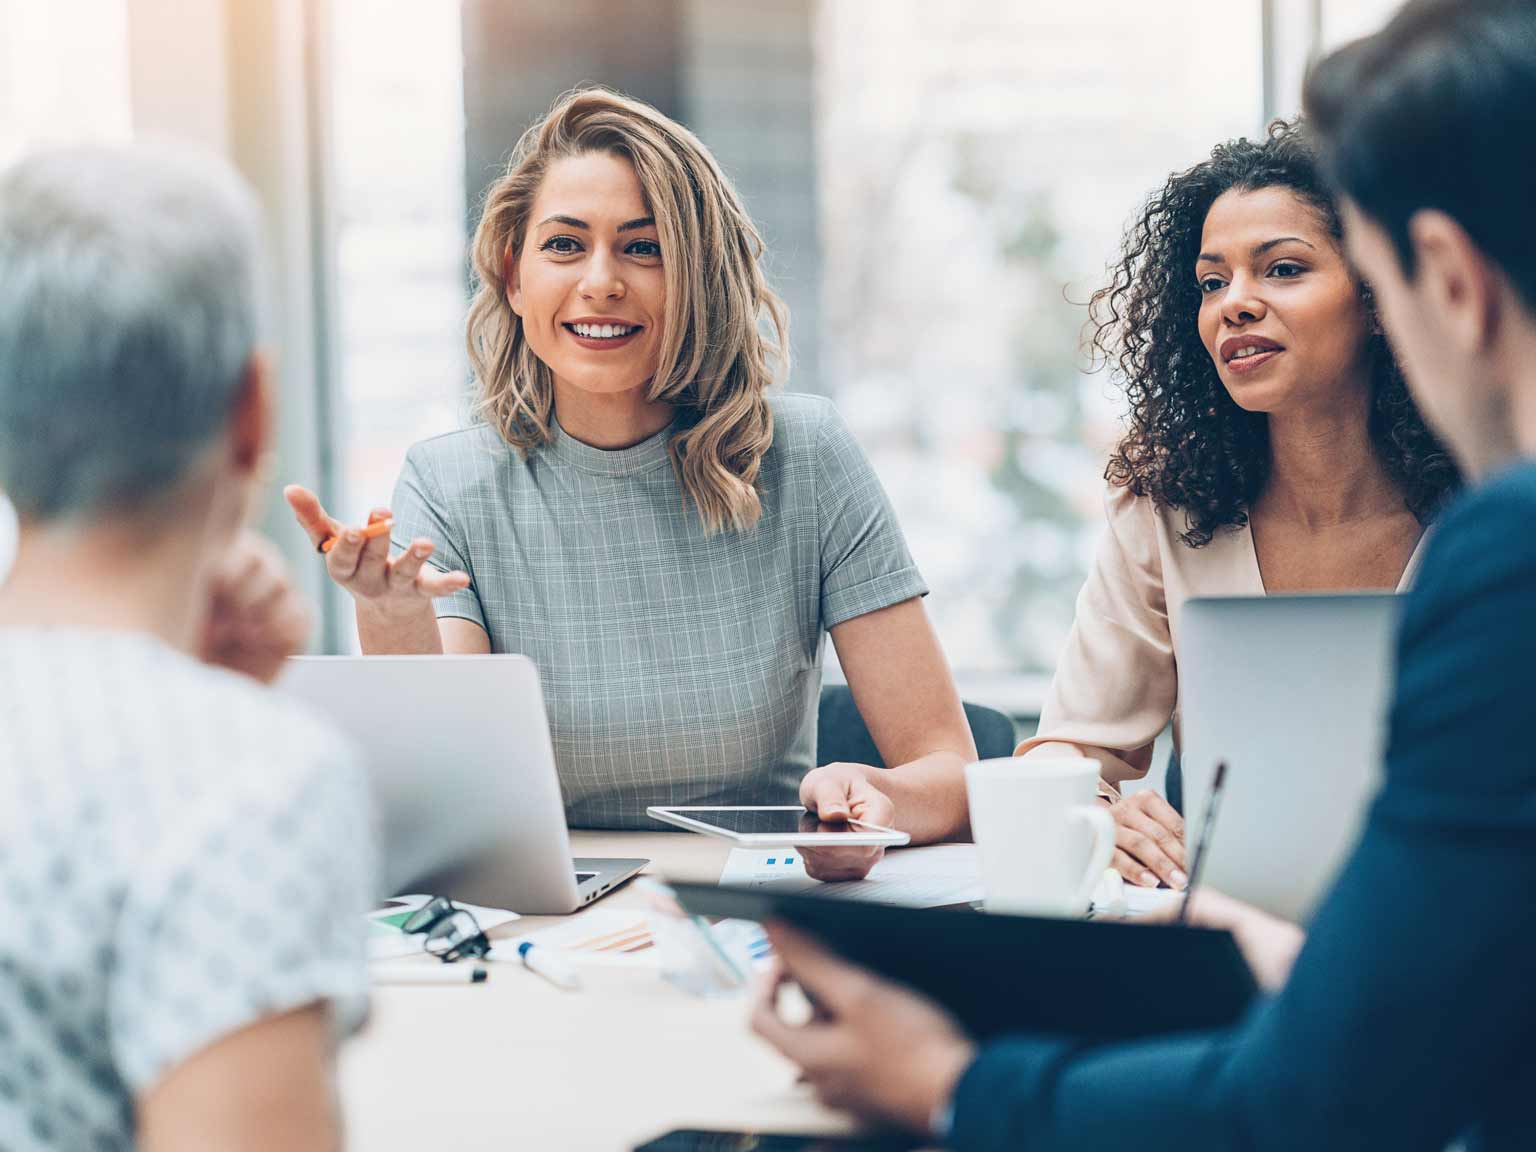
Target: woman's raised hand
x,y
362,565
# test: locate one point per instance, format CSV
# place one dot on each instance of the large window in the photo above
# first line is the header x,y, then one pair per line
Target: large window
x,y
398,124
63,80
1344,20
974,164
63,73
978,163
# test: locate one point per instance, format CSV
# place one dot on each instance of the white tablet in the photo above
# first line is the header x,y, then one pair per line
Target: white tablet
x,y
771,827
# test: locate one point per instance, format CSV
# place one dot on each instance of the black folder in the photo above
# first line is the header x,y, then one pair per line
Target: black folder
x,y
1089,980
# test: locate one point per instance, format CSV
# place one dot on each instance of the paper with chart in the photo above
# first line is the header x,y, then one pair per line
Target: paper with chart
x,y
910,877
914,878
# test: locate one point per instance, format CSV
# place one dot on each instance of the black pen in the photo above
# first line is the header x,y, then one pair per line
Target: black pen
x,y
1205,840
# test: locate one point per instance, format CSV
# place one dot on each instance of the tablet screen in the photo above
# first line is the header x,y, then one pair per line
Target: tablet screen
x,y
766,821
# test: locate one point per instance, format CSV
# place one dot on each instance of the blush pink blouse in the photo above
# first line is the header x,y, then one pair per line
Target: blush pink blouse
x,y
1116,686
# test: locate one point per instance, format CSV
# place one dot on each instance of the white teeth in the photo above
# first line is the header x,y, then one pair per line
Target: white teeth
x,y
1250,350
601,331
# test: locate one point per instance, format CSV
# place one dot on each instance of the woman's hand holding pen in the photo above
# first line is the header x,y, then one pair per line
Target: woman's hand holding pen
x,y
1149,841
359,559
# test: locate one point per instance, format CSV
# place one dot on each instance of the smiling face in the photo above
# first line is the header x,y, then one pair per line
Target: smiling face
x,y
588,281
1280,312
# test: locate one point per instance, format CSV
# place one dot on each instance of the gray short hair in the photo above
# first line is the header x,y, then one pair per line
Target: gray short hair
x,y
128,317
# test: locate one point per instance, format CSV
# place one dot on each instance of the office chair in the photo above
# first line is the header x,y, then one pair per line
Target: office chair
x,y
841,735
1173,782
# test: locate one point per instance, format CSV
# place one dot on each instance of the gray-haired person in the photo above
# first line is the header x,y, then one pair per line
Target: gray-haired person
x,y
182,857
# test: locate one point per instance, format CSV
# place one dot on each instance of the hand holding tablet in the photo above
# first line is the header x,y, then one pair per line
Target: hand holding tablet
x,y
776,826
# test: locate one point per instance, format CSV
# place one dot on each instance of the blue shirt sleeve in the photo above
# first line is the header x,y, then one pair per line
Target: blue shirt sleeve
x,y
1408,1016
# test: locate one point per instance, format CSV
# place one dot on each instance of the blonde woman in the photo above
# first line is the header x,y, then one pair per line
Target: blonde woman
x,y
668,541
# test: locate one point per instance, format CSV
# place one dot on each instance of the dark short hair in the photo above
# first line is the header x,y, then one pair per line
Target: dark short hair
x,y
1438,110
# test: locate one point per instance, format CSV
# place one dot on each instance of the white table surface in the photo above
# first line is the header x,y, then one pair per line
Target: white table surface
x,y
516,1063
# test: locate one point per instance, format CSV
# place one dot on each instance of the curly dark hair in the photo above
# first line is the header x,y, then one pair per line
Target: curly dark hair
x,y
1190,446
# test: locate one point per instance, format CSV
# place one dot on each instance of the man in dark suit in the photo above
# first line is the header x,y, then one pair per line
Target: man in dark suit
x,y
1408,1018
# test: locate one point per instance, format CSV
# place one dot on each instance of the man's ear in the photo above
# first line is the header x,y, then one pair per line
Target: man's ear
x,y
1455,279
250,419
513,280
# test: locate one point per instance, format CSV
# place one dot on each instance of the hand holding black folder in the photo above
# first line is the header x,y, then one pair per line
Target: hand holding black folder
x,y
998,974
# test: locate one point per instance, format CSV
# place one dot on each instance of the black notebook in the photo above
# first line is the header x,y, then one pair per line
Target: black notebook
x,y
1083,979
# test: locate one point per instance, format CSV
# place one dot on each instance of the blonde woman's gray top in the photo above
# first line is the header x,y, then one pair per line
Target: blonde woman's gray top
x,y
678,668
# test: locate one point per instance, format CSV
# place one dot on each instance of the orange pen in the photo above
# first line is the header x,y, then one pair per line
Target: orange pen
x,y
377,528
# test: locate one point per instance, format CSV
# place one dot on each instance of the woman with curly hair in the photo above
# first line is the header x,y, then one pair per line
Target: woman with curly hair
x,y
1272,447
668,541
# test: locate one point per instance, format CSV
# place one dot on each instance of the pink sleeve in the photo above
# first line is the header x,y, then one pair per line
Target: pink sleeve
x,y
1116,684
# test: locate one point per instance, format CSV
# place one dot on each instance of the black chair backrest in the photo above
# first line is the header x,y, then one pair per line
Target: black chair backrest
x,y
1173,784
843,737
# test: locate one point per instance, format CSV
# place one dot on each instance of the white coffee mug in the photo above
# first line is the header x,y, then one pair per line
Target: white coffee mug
x,y
1043,839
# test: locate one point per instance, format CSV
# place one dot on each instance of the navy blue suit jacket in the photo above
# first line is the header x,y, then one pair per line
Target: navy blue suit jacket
x,y
1410,1016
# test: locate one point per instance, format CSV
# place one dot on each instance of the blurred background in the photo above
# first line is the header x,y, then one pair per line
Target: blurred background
x,y
940,186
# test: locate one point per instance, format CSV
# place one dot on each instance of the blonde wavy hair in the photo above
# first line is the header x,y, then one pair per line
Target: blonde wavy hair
x,y
716,362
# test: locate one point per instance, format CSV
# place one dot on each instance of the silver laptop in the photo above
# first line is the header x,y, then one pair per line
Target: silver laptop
x,y
459,755
1291,691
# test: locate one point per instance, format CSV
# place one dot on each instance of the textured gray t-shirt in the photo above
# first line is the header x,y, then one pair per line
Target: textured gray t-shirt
x,y
181,853
677,668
